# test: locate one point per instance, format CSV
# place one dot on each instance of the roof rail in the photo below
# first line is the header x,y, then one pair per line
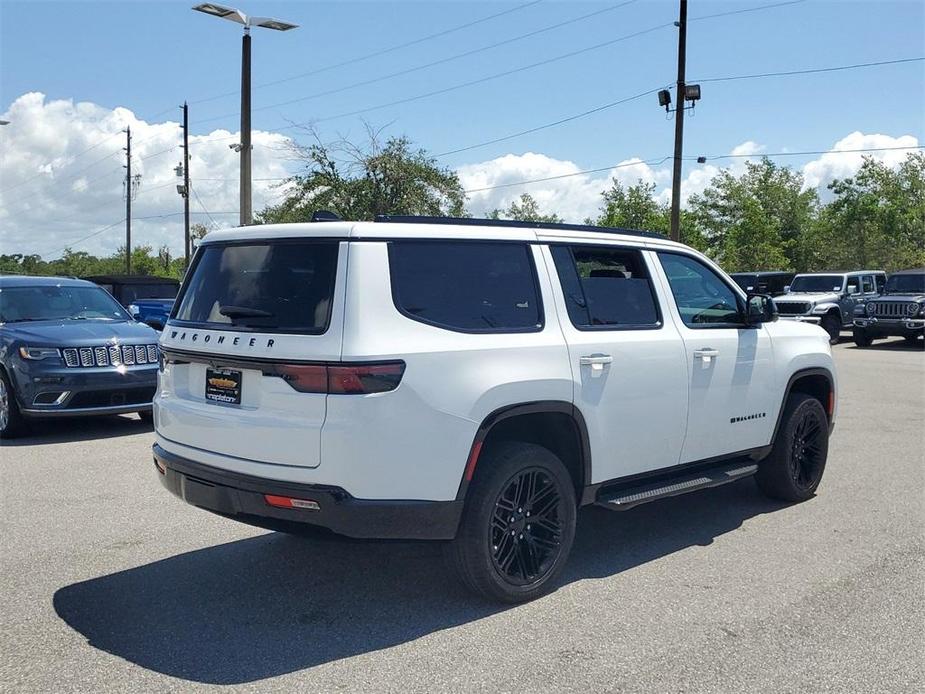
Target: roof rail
x,y
470,221
325,216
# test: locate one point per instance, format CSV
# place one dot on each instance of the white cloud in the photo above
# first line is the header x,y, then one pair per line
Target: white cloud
x,y
820,172
53,192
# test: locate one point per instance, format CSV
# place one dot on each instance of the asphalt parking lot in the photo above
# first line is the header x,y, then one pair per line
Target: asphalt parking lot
x,y
111,584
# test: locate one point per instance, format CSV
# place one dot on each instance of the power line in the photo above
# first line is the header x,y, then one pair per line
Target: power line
x,y
743,11
378,53
89,236
652,162
809,71
424,66
199,200
603,107
810,152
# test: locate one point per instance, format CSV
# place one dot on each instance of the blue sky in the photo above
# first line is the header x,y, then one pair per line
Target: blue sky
x,y
150,56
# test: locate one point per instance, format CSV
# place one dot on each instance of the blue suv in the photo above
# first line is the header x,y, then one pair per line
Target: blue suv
x,y
68,348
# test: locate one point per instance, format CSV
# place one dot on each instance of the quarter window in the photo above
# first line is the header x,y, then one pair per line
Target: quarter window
x,y
606,288
702,297
466,286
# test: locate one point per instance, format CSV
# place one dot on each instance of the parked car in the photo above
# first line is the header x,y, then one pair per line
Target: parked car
x,y
900,311
147,298
773,283
828,298
67,348
476,382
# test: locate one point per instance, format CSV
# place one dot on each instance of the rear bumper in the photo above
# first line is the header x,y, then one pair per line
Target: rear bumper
x,y
241,497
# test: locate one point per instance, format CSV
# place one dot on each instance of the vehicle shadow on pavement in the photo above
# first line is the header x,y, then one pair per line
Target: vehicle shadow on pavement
x,y
275,604
66,430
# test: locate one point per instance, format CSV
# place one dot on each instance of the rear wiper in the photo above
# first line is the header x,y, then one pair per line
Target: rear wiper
x,y
244,312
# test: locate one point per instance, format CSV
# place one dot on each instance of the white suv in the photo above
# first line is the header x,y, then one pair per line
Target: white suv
x,y
476,381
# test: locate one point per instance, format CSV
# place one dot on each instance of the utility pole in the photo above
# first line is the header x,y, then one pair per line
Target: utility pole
x,y
128,201
246,213
679,126
186,187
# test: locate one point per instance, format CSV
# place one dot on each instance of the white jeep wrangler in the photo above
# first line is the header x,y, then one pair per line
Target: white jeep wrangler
x,y
476,381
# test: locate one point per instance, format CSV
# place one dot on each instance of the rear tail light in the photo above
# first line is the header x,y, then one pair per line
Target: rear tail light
x,y
341,379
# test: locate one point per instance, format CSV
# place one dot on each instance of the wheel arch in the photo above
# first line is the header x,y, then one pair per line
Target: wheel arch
x,y
817,382
554,424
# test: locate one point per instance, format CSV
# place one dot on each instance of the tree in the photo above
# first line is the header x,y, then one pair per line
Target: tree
x,y
755,221
361,182
524,210
876,219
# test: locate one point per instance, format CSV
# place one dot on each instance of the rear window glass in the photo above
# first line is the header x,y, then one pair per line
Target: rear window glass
x,y
605,288
269,287
466,286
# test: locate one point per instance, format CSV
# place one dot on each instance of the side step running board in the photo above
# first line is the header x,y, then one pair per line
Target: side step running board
x,y
623,498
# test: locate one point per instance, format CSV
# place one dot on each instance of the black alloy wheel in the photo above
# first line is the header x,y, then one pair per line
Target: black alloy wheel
x,y
526,527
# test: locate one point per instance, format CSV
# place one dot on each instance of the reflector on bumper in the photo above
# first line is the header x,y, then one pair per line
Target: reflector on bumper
x,y
289,502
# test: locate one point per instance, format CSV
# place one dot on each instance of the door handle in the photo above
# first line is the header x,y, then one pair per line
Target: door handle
x,y
706,354
595,361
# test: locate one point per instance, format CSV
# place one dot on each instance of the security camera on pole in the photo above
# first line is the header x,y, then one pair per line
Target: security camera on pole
x,y
244,147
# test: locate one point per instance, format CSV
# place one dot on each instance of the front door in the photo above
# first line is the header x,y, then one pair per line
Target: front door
x,y
731,402
627,359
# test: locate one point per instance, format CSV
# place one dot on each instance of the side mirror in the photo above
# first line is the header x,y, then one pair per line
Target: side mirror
x,y
852,289
786,288
760,308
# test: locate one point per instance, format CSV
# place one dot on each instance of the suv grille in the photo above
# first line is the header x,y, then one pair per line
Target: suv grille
x,y
894,309
792,307
110,355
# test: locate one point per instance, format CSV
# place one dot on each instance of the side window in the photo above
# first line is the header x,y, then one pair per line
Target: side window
x,y
867,281
702,297
466,286
606,288
854,284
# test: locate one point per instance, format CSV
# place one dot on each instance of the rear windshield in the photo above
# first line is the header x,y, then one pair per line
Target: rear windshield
x,y
265,286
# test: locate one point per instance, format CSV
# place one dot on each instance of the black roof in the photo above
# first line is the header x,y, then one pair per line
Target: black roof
x,y
762,273
911,271
471,221
132,279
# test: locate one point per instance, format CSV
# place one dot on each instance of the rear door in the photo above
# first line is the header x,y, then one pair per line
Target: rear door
x,y
628,372
252,320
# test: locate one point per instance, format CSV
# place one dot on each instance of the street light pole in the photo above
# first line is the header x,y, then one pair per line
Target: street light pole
x,y
246,212
244,147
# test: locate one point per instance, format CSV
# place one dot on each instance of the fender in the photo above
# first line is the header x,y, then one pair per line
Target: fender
x,y
814,371
822,309
508,411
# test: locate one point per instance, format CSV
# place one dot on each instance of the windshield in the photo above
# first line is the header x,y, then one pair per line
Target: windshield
x,y
817,283
58,303
906,284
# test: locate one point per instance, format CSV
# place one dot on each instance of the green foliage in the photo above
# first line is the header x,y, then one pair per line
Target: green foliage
x,y
82,264
362,182
524,210
756,220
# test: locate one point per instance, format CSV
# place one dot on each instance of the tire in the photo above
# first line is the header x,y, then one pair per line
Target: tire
x,y
526,567
861,338
794,468
831,323
12,423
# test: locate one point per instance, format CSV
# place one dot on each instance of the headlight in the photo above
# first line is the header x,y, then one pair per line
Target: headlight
x,y
37,353
912,309
871,308
133,310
